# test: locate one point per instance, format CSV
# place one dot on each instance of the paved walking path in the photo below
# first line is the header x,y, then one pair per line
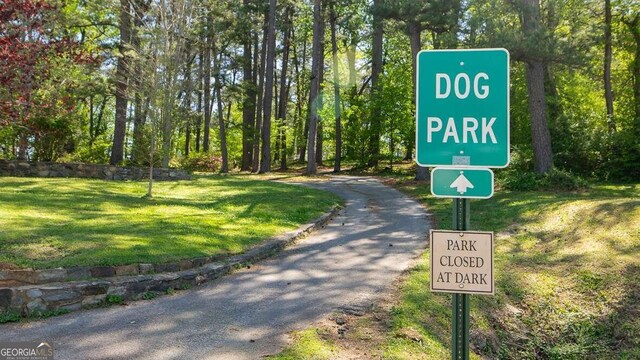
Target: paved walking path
x,y
248,314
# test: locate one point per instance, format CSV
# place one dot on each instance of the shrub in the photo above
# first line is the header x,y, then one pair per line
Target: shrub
x,y
10,316
115,299
555,180
201,162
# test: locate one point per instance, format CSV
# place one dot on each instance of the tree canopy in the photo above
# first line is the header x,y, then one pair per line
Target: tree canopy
x,y
313,82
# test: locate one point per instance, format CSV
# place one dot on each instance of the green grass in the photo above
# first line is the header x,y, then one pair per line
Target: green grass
x,y
567,276
308,345
66,222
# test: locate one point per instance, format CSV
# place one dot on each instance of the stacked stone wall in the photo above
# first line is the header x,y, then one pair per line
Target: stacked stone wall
x,y
93,171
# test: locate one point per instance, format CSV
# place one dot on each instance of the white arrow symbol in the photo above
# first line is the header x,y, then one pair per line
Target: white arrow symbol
x,y
461,183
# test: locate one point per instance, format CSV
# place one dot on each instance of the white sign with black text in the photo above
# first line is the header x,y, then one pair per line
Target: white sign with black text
x,y
462,262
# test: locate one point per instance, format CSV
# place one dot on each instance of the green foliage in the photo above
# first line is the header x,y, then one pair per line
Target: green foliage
x,y
10,316
50,313
185,286
149,295
556,180
114,299
201,162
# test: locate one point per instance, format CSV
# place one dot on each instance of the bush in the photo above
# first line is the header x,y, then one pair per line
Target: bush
x,y
201,162
555,180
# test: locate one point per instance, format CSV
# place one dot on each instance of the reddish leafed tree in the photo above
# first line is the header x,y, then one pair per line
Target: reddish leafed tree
x,y
29,50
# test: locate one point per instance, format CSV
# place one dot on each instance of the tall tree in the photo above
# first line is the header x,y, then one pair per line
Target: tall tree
x,y
302,125
633,24
187,98
336,87
376,70
206,78
265,164
221,126
320,101
199,105
438,17
608,55
121,80
260,96
541,138
249,86
314,90
140,110
284,88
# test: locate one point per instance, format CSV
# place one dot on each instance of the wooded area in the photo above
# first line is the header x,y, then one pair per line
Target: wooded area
x,y
253,85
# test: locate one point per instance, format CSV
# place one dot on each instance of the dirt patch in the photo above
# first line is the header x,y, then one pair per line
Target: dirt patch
x,y
360,332
8,266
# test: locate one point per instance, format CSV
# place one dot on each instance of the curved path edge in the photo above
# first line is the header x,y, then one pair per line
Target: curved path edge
x,y
75,295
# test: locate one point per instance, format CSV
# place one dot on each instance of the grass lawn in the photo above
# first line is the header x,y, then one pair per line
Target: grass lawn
x,y
567,276
65,222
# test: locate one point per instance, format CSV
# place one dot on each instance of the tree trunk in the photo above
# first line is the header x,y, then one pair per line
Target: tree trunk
x,y
336,88
283,102
298,136
151,153
187,100
320,141
376,70
222,131
121,79
634,27
248,104
414,30
320,101
304,120
259,115
265,164
166,117
139,120
351,60
207,83
608,54
538,113
200,96
541,138
283,135
314,89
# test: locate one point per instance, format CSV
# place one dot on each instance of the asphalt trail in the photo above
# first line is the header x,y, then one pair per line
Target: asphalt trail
x,y
249,313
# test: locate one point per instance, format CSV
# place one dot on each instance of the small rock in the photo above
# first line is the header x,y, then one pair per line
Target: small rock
x,y
289,283
252,341
513,310
132,322
200,279
390,245
340,320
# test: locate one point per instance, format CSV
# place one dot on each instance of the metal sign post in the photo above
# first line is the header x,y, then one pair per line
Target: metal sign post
x,y
460,302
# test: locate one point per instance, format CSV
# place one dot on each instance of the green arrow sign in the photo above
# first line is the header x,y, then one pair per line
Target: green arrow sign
x,y
462,115
462,183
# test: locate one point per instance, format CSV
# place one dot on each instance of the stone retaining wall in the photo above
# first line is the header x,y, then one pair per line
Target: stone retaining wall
x,y
75,295
23,277
80,170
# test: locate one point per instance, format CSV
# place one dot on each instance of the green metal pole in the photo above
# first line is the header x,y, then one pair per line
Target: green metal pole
x,y
460,302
